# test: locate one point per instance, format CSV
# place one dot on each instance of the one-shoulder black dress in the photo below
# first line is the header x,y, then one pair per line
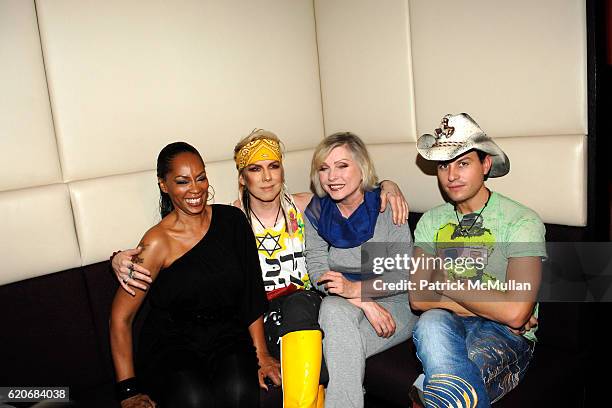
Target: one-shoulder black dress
x,y
203,304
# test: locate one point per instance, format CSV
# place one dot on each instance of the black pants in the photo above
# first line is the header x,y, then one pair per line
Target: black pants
x,y
294,312
228,380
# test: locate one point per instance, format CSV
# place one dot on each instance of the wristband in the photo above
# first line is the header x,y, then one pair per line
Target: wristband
x,y
127,388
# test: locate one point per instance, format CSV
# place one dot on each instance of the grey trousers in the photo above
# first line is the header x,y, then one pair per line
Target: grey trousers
x,y
349,339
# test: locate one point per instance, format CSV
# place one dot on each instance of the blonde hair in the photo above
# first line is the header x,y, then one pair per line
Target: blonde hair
x,y
285,198
358,149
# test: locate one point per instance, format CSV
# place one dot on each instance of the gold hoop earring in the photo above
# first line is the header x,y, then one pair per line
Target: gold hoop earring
x,y
210,196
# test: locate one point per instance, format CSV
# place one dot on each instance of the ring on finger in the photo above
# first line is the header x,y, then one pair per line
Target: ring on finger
x,y
131,272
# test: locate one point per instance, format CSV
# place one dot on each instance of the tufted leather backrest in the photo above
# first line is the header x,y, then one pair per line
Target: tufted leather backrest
x,y
94,90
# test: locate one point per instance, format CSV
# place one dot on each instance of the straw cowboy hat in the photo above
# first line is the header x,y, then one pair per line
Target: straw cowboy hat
x,y
458,134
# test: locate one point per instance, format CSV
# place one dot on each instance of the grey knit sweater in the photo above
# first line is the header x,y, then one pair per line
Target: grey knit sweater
x,y
320,257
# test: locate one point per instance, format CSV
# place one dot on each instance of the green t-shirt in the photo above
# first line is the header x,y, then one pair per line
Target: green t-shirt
x,y
504,230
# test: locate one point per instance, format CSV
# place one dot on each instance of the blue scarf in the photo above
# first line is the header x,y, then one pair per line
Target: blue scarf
x,y
341,232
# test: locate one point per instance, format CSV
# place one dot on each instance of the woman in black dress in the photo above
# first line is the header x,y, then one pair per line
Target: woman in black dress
x,y
203,339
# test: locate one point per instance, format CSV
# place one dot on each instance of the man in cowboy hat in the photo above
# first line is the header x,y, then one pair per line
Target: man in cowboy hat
x,y
476,334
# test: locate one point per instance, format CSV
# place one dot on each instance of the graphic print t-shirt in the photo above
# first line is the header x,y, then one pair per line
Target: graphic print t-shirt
x,y
504,230
281,252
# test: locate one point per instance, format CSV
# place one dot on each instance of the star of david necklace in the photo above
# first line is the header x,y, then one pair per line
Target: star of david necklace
x,y
261,223
461,224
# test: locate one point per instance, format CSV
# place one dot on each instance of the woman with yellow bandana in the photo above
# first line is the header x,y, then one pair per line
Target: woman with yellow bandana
x,y
292,332
291,322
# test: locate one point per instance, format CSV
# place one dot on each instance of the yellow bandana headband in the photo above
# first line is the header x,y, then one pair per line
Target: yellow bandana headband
x,y
260,149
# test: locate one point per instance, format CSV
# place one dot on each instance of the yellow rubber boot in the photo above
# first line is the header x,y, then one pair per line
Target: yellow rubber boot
x,y
301,365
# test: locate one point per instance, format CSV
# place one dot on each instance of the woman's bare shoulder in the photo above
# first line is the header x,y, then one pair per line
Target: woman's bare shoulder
x,y
156,238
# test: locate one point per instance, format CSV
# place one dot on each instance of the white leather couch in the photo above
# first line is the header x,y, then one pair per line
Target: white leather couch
x,y
92,90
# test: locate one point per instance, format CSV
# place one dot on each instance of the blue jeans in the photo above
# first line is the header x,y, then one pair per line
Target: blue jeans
x,y
468,361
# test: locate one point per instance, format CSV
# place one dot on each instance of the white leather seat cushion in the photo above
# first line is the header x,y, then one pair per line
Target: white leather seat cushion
x,y
38,235
518,67
547,174
128,77
366,68
113,213
28,153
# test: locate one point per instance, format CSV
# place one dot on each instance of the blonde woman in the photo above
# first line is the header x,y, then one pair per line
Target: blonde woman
x,y
340,220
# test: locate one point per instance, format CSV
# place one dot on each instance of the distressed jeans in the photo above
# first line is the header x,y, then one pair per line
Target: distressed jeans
x,y
468,361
